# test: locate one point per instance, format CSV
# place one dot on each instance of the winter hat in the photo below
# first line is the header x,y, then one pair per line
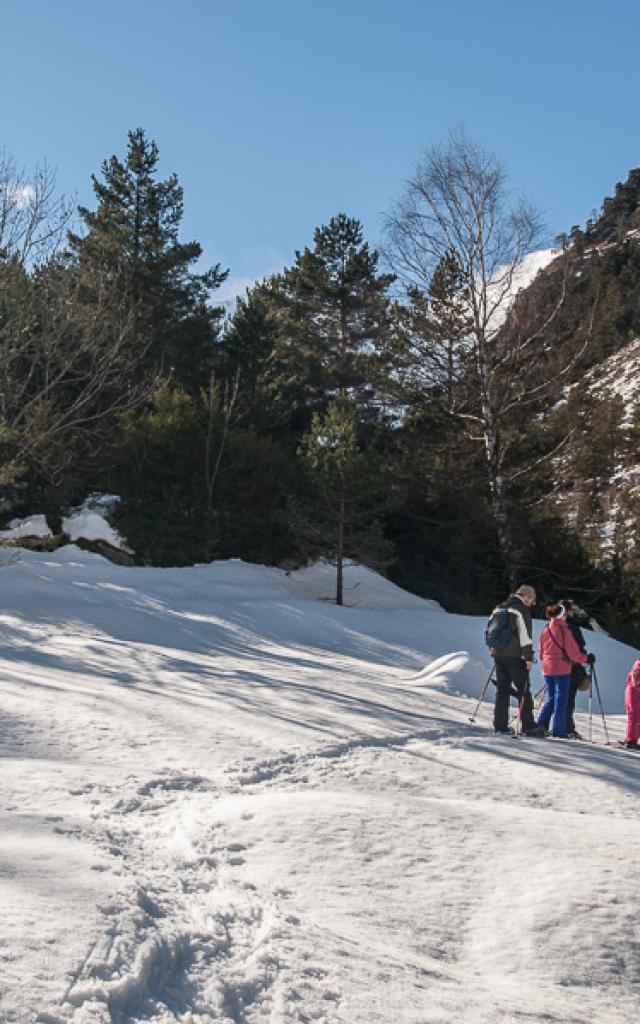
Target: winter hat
x,y
555,611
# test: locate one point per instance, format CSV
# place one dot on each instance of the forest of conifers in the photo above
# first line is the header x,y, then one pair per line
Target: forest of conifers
x,y
404,406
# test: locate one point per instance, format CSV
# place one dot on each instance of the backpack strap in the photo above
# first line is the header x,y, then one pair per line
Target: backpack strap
x,y
561,646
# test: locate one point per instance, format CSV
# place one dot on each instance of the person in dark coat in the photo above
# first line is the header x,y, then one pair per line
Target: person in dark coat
x,y
578,636
514,662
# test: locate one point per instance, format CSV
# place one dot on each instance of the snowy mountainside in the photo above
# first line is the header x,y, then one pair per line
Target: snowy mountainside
x,y
619,374
511,279
226,799
599,502
616,376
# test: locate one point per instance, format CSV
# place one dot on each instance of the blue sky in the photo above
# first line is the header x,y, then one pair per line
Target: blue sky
x,y
276,115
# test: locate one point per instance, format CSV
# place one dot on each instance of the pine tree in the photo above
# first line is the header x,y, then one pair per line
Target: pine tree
x,y
632,439
195,487
334,319
432,353
131,240
341,517
620,213
248,352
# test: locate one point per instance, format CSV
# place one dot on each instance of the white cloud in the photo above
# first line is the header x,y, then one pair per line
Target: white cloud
x,y
20,194
255,263
232,289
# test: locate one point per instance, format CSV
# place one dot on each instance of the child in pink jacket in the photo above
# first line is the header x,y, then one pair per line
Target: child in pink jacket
x,y
632,704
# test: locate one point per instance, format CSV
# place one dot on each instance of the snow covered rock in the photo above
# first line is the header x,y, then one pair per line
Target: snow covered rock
x,y
86,526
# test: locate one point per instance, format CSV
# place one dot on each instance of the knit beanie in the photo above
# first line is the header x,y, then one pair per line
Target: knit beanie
x,y
555,611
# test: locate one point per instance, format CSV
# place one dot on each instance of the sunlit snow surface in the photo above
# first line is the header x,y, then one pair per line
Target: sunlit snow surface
x,y
225,799
512,279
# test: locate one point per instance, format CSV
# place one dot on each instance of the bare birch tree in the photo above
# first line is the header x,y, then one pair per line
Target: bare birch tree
x,y
65,369
456,212
33,217
65,363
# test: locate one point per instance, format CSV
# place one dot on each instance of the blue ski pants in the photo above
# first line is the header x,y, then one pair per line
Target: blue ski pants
x,y
555,704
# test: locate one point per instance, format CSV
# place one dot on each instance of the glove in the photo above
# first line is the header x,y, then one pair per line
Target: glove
x,y
591,659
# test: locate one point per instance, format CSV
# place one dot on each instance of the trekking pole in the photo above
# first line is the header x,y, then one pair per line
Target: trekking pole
x,y
604,721
537,694
525,689
591,704
481,697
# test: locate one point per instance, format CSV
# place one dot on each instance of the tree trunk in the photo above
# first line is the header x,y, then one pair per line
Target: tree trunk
x,y
340,554
497,492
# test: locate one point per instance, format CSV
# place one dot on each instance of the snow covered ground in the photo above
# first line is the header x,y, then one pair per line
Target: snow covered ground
x,y
225,799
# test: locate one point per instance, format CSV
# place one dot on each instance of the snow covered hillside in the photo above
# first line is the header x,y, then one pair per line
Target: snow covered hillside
x,y
512,279
225,799
619,375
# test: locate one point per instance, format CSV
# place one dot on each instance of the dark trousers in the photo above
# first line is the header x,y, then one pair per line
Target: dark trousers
x,y
571,704
512,672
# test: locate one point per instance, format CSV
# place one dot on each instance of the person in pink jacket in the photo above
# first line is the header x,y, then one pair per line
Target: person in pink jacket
x,y
558,650
632,704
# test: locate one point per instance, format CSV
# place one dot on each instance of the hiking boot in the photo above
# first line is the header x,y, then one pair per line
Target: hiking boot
x,y
505,732
538,732
575,735
632,745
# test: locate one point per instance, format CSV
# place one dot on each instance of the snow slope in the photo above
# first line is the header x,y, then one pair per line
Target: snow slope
x,y
618,375
511,279
225,799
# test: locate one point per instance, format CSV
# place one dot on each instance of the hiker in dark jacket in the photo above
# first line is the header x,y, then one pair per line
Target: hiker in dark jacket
x,y
514,662
578,636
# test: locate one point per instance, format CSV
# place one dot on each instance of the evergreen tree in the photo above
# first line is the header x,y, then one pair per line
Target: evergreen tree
x,y
341,517
194,486
131,240
432,352
632,440
620,213
598,441
334,320
248,350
